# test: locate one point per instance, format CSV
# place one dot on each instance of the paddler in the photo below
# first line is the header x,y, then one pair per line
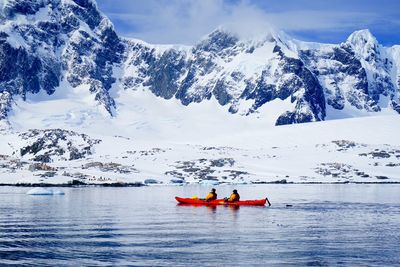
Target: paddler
x,y
212,195
234,197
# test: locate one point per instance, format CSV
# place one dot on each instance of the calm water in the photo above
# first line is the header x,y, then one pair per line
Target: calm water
x,y
349,225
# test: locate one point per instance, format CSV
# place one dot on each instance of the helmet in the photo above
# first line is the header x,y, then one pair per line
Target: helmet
x,y
235,191
213,190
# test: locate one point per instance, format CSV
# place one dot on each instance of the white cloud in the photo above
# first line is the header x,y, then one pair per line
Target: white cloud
x,y
319,20
186,21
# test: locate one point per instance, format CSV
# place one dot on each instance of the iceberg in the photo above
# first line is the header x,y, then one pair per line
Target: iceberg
x,y
209,182
39,191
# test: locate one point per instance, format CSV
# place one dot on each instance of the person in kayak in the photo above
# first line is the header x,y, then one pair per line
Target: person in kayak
x,y
234,197
211,196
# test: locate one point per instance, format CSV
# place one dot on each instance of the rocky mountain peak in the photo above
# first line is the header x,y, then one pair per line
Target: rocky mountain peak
x,y
363,43
363,36
44,43
53,40
218,40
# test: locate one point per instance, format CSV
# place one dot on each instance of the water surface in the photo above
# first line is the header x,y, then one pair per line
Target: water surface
x,y
326,225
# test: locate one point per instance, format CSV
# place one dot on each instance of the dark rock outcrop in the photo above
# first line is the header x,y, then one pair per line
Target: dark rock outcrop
x,y
44,145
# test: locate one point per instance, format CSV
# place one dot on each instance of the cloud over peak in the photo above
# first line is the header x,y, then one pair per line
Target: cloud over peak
x,y
187,21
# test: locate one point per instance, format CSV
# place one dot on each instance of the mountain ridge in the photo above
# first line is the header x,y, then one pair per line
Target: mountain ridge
x,y
71,42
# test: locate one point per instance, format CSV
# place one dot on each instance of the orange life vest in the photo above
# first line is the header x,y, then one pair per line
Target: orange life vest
x,y
233,198
211,196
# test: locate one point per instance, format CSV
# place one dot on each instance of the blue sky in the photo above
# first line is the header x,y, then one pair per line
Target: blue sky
x,y
187,21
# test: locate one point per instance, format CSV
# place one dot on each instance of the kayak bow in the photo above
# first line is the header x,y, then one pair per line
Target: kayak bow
x,y
196,201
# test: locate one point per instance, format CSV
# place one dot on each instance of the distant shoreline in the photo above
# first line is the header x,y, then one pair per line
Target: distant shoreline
x,y
143,185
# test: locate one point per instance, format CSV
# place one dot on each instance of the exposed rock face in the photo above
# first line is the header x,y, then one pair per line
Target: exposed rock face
x,y
43,43
209,70
5,104
45,145
358,72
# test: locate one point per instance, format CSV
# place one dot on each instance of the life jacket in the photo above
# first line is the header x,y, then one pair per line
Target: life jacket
x,y
211,196
234,197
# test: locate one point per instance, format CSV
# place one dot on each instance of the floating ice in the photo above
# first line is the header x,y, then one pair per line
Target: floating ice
x,y
151,181
209,182
177,181
44,192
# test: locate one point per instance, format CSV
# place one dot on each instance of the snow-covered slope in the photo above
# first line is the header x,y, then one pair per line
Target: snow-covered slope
x,y
174,150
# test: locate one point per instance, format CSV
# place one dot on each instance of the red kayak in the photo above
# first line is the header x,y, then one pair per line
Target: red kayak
x,y
197,201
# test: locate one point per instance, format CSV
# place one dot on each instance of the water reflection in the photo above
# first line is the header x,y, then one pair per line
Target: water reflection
x,y
234,208
212,208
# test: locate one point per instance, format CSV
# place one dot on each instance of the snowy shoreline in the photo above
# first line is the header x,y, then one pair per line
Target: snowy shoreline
x,y
363,150
190,184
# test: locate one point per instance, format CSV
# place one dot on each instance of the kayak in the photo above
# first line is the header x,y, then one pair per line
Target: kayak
x,y
197,201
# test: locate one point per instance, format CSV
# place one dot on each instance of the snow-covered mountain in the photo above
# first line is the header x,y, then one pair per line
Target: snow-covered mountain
x,y
81,105
51,46
48,41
